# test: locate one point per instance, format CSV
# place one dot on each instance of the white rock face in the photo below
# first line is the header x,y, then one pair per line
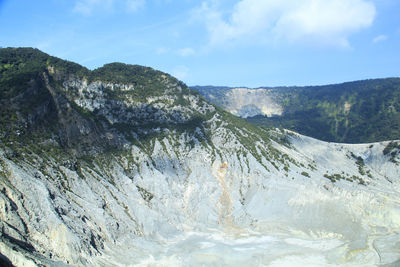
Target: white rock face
x,y
245,102
196,209
220,194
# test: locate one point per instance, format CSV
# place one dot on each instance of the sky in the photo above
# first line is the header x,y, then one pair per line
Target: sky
x,y
248,43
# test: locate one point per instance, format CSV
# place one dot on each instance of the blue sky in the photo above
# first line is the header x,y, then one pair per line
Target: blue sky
x,y
217,42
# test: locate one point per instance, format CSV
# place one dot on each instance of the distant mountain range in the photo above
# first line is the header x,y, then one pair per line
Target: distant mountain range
x,y
352,112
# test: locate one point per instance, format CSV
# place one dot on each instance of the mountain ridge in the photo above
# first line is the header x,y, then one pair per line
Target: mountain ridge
x,y
99,173
352,112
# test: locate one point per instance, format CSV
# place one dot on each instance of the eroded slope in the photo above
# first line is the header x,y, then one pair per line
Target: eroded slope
x,y
117,171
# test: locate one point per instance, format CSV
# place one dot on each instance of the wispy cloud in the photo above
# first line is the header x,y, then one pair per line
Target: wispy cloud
x,y
88,7
185,52
328,22
162,50
180,72
380,38
134,5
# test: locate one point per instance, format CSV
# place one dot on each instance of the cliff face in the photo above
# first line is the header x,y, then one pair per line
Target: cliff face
x,y
126,166
352,112
245,102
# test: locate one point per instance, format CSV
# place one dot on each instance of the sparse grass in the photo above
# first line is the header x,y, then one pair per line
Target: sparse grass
x,y
306,174
146,195
337,177
392,149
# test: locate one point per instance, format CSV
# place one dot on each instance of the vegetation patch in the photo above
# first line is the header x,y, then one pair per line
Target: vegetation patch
x,y
306,174
353,112
146,195
393,150
337,177
360,163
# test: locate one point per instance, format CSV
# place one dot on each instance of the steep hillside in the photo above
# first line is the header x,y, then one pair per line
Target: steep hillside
x,y
354,112
127,166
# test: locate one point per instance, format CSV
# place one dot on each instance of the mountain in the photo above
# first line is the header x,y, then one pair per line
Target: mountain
x,y
353,112
126,166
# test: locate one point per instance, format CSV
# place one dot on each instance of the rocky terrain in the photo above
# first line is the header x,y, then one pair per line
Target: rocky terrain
x,y
243,102
353,112
127,166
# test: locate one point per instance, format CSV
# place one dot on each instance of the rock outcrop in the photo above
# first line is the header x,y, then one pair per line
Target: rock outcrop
x,y
141,170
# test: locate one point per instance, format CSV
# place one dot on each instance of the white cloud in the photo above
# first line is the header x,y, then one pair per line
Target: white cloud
x,y
180,72
311,21
87,7
161,50
380,38
185,52
134,5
